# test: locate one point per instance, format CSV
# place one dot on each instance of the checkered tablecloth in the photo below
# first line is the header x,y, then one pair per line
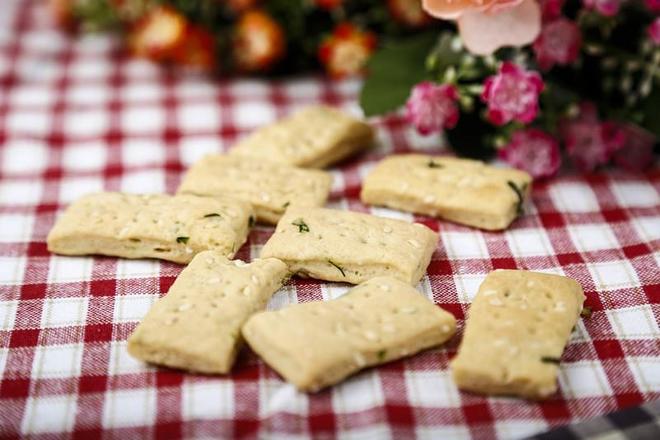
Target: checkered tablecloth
x,y
78,115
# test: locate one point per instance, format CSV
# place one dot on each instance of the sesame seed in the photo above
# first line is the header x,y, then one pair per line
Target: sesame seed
x,y
239,263
183,307
246,290
385,287
387,229
414,243
370,335
446,328
389,328
429,199
489,292
409,310
265,197
254,279
530,283
189,250
496,302
359,359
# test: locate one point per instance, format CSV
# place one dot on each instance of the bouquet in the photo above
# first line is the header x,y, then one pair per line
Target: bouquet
x,y
524,78
533,81
256,37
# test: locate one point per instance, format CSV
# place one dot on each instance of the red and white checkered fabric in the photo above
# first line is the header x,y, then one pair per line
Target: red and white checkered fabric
x,y
77,115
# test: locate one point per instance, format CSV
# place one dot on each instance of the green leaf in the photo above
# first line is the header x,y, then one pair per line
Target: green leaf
x,y
393,71
183,240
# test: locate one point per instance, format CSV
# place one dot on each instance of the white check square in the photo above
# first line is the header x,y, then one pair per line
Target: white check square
x,y
89,94
593,237
519,428
120,362
431,389
574,197
49,414
84,156
467,286
199,116
583,379
461,245
143,119
529,242
28,122
126,408
24,156
442,432
138,152
634,323
88,122
90,68
646,371
193,148
248,115
278,397
12,270
69,269
635,194
72,188
57,361
7,314
35,95
144,182
142,92
64,312
132,308
16,228
612,275
208,400
20,192
358,393
648,228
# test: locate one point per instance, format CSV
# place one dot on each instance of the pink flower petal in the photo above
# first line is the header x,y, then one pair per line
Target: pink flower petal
x,y
452,9
485,32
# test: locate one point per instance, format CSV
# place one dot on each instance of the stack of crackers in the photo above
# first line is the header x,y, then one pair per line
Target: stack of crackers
x,y
519,322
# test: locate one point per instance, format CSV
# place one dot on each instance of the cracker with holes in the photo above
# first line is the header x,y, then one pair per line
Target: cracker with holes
x,y
459,190
315,137
317,344
517,328
173,228
270,187
196,326
350,247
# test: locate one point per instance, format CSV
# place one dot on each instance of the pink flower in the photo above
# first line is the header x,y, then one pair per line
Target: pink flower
x,y
608,8
512,94
653,5
487,25
654,31
432,107
592,143
534,151
551,9
559,43
637,152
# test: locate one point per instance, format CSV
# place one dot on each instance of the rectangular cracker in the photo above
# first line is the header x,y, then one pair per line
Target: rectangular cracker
x,y
517,328
315,137
351,247
270,187
317,344
197,325
173,228
459,190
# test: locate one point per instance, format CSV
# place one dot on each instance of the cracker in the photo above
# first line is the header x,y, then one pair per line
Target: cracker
x,y
459,190
270,187
517,328
314,137
317,344
173,228
352,247
196,326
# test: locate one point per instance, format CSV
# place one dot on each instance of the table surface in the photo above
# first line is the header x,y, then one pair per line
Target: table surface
x,y
78,115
